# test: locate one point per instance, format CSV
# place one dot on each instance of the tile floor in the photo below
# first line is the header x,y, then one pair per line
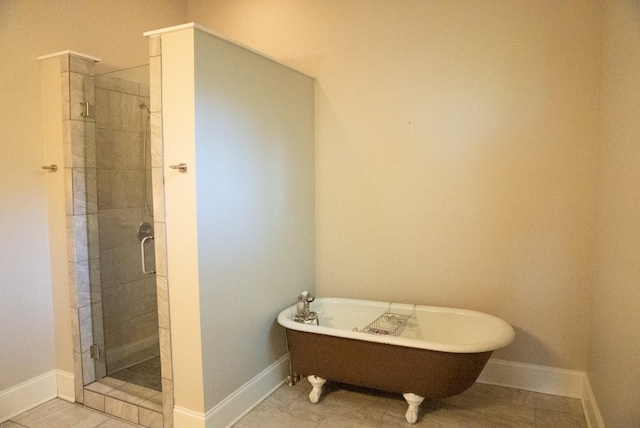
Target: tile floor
x,y
343,406
482,405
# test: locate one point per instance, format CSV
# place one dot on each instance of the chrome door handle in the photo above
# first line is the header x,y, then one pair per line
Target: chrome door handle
x,y
144,267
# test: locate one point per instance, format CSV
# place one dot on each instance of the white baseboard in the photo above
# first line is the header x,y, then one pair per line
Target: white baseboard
x,y
242,401
27,395
530,377
66,386
239,403
548,380
590,407
187,418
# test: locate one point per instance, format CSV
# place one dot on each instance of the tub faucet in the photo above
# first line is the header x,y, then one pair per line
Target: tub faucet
x,y
304,315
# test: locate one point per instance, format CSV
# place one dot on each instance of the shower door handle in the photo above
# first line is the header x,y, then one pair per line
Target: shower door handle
x,y
144,267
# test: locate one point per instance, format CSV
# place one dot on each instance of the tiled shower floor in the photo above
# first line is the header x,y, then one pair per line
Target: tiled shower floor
x,y
145,374
342,406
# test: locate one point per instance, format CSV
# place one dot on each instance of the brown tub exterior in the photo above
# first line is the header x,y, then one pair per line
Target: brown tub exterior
x,y
430,374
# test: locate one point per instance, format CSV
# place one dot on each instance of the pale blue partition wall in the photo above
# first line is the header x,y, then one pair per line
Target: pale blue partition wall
x,y
239,221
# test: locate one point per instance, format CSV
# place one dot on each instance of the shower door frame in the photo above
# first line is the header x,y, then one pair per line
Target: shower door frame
x,y
75,139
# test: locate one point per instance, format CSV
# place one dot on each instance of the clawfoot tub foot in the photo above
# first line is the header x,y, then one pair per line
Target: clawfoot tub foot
x,y
317,383
414,402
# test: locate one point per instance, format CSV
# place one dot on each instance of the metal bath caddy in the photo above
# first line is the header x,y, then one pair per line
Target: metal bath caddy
x,y
389,323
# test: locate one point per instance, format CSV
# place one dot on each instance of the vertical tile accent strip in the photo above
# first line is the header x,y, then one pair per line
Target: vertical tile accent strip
x,y
81,209
163,287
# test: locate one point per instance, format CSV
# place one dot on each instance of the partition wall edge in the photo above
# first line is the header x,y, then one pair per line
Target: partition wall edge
x,y
240,218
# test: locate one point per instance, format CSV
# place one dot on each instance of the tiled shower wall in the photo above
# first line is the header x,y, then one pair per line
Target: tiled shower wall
x,y
164,322
82,215
129,301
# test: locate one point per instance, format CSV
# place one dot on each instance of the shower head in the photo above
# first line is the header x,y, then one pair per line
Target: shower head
x,y
141,104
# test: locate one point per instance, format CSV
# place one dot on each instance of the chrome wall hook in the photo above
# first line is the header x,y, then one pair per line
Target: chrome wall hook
x,y
51,168
182,167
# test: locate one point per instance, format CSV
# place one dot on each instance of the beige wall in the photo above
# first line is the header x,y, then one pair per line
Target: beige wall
x,y
111,31
455,152
614,353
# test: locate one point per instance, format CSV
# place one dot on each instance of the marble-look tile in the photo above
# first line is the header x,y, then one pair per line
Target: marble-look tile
x,y
10,424
93,240
91,187
125,396
345,404
339,422
94,400
156,139
81,65
167,401
127,188
88,369
552,419
553,402
124,112
75,329
123,302
50,407
160,249
109,381
115,84
85,198
155,83
99,387
127,264
79,286
116,423
165,353
77,238
152,405
157,398
64,87
284,396
118,227
132,331
103,179
162,296
277,417
157,190
78,96
56,414
118,149
95,285
144,91
134,384
77,371
120,409
508,415
68,191
86,332
150,301
64,62
498,393
97,321
150,418
155,45
101,111
106,269
89,144
100,366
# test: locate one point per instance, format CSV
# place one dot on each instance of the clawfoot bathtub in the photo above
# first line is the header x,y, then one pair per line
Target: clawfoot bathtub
x,y
418,351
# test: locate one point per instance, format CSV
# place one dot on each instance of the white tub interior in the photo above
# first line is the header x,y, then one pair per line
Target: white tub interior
x,y
435,328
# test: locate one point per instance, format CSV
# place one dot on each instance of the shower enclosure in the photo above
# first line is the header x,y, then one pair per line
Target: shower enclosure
x,y
125,327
